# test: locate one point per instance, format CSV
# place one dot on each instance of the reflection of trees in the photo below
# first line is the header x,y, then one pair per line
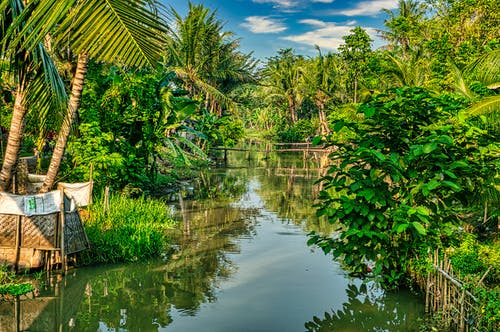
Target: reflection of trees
x,y
187,280
369,309
152,292
221,185
290,191
149,292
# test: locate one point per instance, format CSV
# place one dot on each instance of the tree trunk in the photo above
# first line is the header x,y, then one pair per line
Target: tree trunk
x,y
14,140
62,137
323,122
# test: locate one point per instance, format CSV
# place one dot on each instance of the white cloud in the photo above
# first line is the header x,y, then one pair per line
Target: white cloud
x,y
313,22
263,24
288,4
327,35
369,8
279,3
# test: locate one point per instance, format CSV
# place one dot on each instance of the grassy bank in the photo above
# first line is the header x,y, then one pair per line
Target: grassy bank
x,y
130,229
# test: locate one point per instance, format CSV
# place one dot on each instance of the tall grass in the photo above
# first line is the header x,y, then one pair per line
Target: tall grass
x,y
131,229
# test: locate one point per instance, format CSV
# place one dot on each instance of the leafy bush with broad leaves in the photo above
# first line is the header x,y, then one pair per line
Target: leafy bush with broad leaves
x,y
403,184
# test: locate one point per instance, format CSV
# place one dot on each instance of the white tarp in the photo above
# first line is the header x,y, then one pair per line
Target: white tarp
x,y
79,192
30,205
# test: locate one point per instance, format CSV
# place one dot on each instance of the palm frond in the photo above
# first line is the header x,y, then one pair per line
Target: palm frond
x,y
486,69
126,32
487,109
36,21
47,89
191,146
459,82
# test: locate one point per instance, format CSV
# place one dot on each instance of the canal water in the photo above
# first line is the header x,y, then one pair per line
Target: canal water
x,y
240,263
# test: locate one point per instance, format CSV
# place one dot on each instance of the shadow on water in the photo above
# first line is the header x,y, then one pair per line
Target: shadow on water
x,y
370,309
240,263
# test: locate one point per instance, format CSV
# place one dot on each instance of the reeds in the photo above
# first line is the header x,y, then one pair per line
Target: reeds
x,y
126,229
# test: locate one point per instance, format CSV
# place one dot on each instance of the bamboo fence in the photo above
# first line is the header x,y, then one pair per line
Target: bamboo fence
x,y
447,296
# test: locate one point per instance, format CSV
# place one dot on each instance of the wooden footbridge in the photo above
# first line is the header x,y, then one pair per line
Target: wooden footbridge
x,y
276,147
268,148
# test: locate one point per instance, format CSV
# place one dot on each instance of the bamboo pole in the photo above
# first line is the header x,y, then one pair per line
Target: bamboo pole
x,y
461,326
91,182
454,281
18,243
61,221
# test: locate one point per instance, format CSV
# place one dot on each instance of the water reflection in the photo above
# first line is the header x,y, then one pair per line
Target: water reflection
x,y
240,263
370,309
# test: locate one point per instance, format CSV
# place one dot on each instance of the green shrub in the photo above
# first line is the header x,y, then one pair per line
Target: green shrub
x,y
472,259
401,185
231,131
489,311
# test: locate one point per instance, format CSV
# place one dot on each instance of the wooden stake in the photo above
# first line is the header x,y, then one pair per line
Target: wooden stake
x,y
61,222
18,243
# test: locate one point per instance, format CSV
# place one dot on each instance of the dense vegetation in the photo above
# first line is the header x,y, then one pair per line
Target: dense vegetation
x,y
127,230
414,126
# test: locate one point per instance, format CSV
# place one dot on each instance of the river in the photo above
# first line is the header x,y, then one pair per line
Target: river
x,y
241,263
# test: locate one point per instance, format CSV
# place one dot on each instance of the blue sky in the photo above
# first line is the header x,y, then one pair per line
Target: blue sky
x,y
266,26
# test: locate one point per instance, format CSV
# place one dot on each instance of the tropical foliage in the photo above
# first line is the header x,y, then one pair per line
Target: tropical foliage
x,y
406,183
206,58
413,126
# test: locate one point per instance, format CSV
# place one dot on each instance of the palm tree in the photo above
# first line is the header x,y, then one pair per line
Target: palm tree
x,y
284,80
486,70
403,24
37,83
205,58
412,70
324,80
125,32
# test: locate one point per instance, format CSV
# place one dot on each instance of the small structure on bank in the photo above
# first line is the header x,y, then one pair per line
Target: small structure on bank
x,y
41,230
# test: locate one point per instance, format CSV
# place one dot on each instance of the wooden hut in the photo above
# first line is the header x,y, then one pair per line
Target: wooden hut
x,y
41,230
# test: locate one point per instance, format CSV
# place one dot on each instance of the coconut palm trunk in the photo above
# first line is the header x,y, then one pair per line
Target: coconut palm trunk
x,y
69,120
14,140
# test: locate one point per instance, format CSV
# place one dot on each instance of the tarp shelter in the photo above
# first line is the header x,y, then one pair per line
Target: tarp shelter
x,y
42,229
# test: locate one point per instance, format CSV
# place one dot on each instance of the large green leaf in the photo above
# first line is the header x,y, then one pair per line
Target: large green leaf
x,y
124,32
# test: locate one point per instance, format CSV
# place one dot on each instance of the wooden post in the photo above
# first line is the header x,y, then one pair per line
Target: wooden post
x,y
17,313
18,243
61,223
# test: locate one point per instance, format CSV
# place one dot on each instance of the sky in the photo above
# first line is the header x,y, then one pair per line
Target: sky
x,y
266,26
